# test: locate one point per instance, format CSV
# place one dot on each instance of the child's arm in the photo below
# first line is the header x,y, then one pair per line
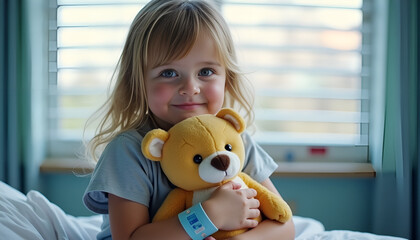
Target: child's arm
x,y
228,208
130,220
269,229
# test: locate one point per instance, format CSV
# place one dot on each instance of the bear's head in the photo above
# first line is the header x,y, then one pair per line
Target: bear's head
x,y
199,152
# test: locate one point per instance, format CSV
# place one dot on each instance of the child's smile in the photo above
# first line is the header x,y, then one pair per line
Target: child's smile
x,y
188,106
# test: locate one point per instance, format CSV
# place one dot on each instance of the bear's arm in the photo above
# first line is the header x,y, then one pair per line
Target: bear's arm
x,y
271,205
174,203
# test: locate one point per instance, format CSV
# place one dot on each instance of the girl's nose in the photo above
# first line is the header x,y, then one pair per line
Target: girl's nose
x,y
189,87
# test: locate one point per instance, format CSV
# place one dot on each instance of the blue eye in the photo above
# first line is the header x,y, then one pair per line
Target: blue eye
x,y
168,73
206,72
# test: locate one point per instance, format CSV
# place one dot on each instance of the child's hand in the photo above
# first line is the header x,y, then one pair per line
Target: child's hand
x,y
210,238
232,208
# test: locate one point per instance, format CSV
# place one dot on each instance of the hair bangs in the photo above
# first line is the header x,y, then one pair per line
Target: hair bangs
x,y
173,35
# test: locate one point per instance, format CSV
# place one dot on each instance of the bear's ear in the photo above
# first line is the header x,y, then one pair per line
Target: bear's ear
x,y
152,144
233,117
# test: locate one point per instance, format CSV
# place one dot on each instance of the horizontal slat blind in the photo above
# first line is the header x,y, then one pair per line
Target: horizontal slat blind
x,y
89,38
306,59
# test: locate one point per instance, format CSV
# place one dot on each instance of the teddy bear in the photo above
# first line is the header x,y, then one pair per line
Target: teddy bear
x,y
200,154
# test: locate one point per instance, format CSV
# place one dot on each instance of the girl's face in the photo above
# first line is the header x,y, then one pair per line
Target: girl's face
x,y
190,86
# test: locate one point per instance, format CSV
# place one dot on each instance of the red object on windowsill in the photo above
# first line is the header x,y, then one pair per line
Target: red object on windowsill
x,y
317,150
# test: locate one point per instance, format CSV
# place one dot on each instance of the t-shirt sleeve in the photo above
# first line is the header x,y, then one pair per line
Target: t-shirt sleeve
x,y
258,164
121,171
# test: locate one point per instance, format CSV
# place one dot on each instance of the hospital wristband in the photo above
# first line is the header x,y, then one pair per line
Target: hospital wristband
x,y
196,222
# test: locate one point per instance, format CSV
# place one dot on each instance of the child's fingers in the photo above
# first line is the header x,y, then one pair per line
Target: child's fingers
x,y
231,185
236,208
253,203
210,238
253,213
250,223
250,192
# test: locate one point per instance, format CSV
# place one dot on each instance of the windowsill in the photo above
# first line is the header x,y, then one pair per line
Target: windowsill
x,y
295,169
325,169
66,165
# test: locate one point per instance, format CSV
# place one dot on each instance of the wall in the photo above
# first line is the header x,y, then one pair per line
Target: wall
x,y
65,190
339,203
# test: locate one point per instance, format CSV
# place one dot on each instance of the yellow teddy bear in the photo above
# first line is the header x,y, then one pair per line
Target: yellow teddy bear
x,y
198,155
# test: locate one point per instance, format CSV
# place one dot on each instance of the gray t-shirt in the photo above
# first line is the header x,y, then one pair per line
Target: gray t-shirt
x,y
122,170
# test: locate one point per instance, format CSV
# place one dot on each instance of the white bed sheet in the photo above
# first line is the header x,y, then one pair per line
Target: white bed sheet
x,y
32,216
311,229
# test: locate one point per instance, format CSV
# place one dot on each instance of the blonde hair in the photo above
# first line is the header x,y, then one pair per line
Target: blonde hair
x,y
163,31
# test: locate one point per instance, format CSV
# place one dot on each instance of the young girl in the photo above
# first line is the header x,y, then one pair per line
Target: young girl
x,y
178,61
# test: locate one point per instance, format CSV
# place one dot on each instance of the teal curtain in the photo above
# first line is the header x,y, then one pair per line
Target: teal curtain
x,y
10,74
23,91
397,196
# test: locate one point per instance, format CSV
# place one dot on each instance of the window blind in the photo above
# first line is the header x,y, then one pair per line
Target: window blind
x,y
305,59
309,62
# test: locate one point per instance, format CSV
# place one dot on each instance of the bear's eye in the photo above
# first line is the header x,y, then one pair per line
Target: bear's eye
x,y
228,147
198,158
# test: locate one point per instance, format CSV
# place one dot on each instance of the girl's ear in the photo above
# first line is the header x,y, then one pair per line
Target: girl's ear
x,y
152,144
233,117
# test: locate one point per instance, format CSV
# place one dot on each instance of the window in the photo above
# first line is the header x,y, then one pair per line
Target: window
x,y
308,60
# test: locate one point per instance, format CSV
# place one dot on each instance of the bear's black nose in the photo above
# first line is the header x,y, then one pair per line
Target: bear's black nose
x,y
221,162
